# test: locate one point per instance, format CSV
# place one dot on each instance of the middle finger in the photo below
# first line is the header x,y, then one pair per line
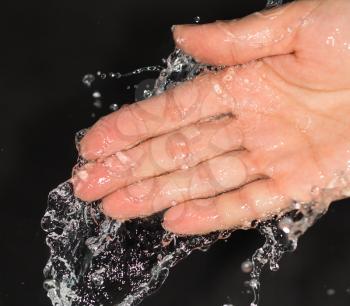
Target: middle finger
x,y
180,149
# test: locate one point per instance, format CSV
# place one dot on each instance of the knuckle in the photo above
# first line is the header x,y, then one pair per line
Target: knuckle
x,y
177,147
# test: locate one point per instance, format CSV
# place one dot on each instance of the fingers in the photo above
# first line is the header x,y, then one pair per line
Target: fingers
x,y
181,149
220,174
178,107
235,209
256,36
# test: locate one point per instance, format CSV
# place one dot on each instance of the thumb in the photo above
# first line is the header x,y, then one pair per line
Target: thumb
x,y
262,34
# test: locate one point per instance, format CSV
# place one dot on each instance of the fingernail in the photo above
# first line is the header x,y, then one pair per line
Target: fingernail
x,y
76,183
73,180
93,148
83,175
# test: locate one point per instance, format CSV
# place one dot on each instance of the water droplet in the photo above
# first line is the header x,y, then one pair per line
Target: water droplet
x,y
348,290
147,93
96,94
330,292
197,19
247,266
97,279
88,79
286,224
331,41
49,284
274,266
224,235
116,75
97,103
254,283
113,107
184,167
173,203
297,205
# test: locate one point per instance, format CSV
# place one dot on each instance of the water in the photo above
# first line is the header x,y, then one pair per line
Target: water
x,y
95,260
330,292
113,107
273,3
99,261
88,79
247,266
281,236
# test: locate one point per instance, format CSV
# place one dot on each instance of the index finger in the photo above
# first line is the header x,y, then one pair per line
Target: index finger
x,y
185,104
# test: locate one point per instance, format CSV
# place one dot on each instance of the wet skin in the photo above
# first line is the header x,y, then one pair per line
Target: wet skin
x,y
240,144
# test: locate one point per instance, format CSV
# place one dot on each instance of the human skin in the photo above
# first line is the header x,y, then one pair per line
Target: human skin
x,y
237,145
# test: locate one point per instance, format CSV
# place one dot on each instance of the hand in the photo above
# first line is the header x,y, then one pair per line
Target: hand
x,y
237,145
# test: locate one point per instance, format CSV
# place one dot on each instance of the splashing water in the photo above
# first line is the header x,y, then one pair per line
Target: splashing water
x,y
281,235
95,260
99,261
89,79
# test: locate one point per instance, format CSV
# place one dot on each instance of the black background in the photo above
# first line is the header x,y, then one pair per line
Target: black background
x,y
46,47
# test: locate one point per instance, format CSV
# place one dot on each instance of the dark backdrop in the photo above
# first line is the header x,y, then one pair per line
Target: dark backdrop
x,y
47,46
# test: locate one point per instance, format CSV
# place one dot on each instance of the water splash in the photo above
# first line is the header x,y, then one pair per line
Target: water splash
x,y
283,232
95,260
279,241
99,261
89,78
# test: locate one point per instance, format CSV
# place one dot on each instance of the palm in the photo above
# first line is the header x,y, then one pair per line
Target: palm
x,y
299,147
278,126
304,142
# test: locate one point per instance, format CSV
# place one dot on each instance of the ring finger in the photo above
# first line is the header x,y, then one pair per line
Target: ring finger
x,y
210,178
